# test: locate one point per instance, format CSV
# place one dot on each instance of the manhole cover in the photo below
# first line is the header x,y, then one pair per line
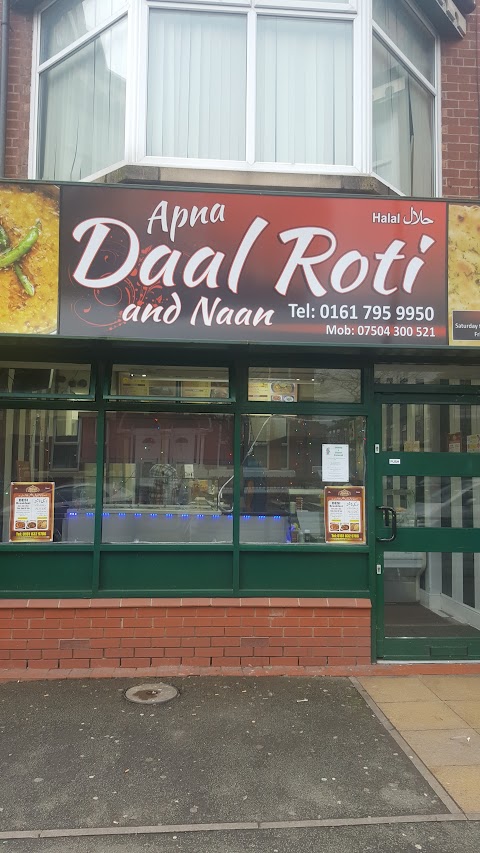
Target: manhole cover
x,y
151,694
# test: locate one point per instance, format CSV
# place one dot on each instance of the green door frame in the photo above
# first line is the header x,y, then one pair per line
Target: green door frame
x,y
453,540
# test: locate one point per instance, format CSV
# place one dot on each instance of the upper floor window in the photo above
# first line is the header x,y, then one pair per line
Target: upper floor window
x,y
404,58
268,85
81,88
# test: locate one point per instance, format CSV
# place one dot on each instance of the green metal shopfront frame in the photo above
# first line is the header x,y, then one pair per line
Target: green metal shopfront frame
x,y
100,569
65,570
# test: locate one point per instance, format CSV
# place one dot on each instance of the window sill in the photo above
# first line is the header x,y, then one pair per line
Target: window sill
x,y
141,174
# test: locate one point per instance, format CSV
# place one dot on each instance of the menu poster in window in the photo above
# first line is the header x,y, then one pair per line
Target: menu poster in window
x,y
411,446
473,443
196,388
31,512
335,463
345,514
455,442
272,391
134,386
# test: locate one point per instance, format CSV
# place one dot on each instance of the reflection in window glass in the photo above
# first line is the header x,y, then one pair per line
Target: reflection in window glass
x,y
434,501
202,383
66,380
291,385
403,125
282,479
406,30
165,478
435,428
426,374
38,445
432,594
63,23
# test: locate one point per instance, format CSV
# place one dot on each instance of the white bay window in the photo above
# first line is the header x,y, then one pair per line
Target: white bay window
x,y
252,85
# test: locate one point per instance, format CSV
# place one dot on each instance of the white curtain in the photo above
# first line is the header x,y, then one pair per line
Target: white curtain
x,y
197,85
304,91
82,109
403,136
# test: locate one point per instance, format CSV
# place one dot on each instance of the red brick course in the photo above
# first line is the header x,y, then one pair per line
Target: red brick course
x,y
200,633
460,86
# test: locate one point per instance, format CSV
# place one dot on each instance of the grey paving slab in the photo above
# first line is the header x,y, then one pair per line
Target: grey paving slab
x,y
396,838
77,754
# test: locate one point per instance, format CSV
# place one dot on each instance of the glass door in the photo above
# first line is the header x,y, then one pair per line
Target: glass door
x,y
427,527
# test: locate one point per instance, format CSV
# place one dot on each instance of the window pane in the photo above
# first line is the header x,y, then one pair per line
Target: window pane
x,y
304,91
432,594
165,478
52,446
282,484
411,36
200,383
434,501
82,134
433,428
291,385
427,374
67,380
66,21
403,126
197,85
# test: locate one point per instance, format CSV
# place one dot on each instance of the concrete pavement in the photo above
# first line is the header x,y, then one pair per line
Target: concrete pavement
x,y
439,717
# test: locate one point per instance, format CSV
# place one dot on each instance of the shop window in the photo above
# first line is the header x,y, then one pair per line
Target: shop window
x,y
180,383
283,476
416,428
292,385
434,501
45,380
432,593
168,478
40,445
426,374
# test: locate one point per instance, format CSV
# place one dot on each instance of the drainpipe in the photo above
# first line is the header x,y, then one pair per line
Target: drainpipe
x,y
5,25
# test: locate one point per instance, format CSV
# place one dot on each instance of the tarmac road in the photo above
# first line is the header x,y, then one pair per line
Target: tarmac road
x,y
77,757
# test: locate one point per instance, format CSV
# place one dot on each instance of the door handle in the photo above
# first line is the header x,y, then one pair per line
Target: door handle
x,y
388,511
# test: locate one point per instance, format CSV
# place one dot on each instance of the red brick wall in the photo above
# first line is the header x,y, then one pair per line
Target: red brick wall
x,y
460,112
292,635
18,107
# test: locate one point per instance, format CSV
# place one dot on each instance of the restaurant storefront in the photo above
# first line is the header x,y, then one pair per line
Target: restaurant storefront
x,y
244,397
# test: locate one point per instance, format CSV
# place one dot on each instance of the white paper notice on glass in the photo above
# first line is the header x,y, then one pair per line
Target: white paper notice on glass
x,y
335,467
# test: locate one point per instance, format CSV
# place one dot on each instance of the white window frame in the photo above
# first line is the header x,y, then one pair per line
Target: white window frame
x,y
359,12
433,88
38,67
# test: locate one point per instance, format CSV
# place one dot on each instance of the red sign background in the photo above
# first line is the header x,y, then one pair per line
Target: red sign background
x,y
230,267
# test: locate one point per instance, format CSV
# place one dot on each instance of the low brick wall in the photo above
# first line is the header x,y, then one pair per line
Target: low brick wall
x,y
227,633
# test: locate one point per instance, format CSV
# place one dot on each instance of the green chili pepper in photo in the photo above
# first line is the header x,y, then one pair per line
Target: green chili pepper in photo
x,y
4,241
11,256
24,281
